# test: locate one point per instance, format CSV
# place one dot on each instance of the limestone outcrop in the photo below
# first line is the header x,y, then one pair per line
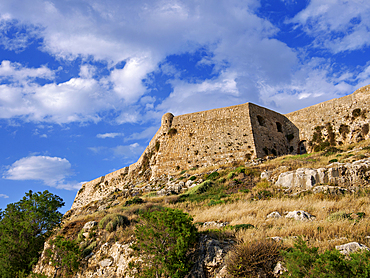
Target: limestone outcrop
x,y
350,176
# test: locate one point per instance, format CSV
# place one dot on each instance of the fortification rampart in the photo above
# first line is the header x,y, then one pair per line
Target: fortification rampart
x,y
341,120
237,133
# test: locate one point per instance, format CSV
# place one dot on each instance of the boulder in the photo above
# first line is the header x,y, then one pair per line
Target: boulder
x,y
266,174
299,215
279,269
215,224
348,175
89,225
273,214
351,247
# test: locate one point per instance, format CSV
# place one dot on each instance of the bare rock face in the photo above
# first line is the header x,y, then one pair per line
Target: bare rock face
x,y
348,175
274,215
89,225
210,262
351,247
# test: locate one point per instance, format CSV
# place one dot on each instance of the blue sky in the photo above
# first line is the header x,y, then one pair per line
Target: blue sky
x,y
84,83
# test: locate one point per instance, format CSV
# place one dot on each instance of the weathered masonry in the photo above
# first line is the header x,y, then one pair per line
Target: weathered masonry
x,y
240,133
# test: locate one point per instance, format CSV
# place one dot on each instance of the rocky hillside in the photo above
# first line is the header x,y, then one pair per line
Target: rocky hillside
x,y
322,197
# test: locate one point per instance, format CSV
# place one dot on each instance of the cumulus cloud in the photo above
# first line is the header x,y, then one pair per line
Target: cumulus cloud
x,y
349,31
109,135
243,50
52,171
4,196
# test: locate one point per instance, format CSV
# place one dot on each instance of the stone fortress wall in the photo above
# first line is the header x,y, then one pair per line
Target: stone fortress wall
x,y
347,116
235,133
219,136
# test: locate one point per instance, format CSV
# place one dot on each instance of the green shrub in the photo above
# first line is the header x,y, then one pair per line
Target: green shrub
x,y
64,255
303,261
87,251
263,184
212,176
339,215
360,214
333,160
193,178
111,221
215,202
157,146
135,200
240,169
164,238
221,180
182,172
201,188
242,227
264,194
255,259
230,175
331,150
207,190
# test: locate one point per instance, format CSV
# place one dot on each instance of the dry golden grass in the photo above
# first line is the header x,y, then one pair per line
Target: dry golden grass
x,y
321,232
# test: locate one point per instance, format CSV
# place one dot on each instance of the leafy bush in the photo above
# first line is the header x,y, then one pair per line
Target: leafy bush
x,y
182,172
333,160
163,240
65,255
303,261
111,221
135,200
255,259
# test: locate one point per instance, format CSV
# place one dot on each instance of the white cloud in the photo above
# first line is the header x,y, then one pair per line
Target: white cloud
x,y
109,135
147,133
128,151
4,196
52,171
246,57
337,25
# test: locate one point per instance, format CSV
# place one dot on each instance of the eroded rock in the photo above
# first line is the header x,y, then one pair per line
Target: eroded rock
x,y
351,247
300,215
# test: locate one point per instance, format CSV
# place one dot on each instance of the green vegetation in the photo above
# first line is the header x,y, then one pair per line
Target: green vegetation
x,y
24,227
134,201
193,178
111,221
164,237
212,176
303,261
64,255
207,190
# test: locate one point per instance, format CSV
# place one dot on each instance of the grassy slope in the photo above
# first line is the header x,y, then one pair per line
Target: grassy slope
x,y
237,195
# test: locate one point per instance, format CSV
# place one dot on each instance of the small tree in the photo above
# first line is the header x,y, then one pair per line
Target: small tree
x,y
24,226
163,240
64,254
